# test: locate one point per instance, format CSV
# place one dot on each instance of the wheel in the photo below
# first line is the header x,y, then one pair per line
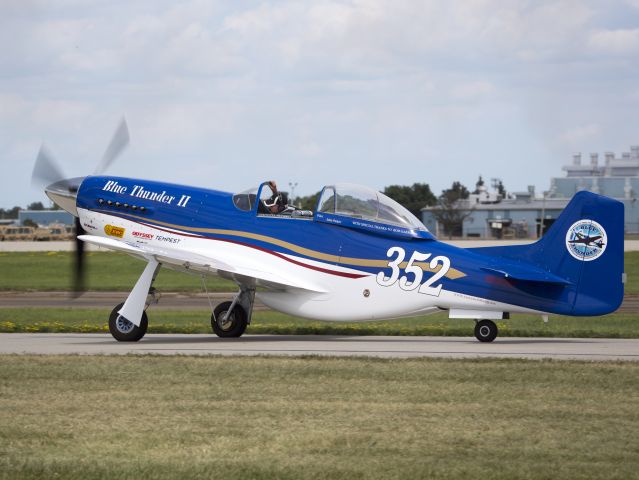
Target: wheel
x,y
485,330
124,330
235,324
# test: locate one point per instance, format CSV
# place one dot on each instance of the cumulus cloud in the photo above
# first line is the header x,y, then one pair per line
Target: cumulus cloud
x,y
577,136
352,85
616,42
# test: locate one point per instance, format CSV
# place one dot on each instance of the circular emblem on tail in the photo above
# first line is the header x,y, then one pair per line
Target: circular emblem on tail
x,y
586,240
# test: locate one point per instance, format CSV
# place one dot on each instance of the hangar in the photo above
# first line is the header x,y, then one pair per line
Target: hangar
x,y
520,214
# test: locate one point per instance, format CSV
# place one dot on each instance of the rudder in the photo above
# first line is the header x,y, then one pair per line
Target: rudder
x,y
585,246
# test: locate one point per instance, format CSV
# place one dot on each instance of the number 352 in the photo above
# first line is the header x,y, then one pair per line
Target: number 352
x,y
415,269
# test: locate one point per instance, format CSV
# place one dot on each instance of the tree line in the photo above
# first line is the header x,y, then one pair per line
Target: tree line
x,y
12,213
447,207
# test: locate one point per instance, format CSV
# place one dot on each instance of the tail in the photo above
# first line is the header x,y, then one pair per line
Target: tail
x,y
584,246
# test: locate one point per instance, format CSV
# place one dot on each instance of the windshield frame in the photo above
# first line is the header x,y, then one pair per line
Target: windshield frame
x,y
364,201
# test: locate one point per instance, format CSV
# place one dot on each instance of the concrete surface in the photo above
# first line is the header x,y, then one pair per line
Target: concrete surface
x,y
297,345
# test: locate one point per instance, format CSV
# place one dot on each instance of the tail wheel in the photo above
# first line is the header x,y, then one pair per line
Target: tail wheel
x,y
486,331
233,325
125,331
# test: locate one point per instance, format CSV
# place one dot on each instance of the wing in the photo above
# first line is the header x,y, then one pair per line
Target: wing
x,y
241,270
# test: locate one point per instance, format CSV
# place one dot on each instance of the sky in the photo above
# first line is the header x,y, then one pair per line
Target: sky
x,y
226,94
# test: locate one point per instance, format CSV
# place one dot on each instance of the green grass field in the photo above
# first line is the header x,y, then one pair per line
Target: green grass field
x,y
106,271
114,271
110,271
269,322
316,418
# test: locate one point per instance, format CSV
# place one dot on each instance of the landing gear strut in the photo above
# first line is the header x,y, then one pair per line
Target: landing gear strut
x,y
228,323
128,321
230,319
485,330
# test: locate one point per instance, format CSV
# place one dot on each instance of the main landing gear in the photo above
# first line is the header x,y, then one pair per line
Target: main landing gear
x,y
124,330
485,330
230,319
128,321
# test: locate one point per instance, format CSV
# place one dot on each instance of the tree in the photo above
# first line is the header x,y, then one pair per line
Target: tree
x,y
414,198
30,223
501,189
35,206
451,210
10,213
308,202
457,191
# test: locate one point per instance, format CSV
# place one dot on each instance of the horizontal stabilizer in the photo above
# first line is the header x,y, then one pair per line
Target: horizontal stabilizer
x,y
581,255
527,274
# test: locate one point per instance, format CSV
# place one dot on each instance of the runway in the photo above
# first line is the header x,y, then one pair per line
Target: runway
x,y
330,345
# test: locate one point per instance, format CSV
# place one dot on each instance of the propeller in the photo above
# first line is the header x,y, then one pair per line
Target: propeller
x,y
78,265
64,191
118,143
45,170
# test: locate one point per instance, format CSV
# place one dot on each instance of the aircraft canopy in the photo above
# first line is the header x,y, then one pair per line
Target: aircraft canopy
x,y
357,201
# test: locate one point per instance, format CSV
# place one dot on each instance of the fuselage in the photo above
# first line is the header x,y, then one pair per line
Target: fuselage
x,y
355,269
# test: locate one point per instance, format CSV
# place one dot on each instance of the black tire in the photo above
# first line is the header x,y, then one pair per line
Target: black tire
x,y
486,331
235,325
125,331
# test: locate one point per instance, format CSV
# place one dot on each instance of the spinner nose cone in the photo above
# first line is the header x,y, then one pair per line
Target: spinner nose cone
x,y
64,193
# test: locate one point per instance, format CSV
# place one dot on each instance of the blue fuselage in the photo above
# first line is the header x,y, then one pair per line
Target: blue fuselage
x,y
329,239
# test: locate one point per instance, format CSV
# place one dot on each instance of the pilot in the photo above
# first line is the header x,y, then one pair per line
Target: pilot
x,y
275,204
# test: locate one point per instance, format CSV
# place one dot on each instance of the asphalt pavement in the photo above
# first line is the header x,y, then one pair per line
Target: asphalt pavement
x,y
330,345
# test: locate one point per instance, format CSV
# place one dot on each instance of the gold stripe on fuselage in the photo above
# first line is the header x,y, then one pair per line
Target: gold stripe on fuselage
x,y
326,257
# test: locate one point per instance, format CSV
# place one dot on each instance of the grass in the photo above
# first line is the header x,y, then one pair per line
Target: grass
x,y
316,418
269,322
111,271
106,271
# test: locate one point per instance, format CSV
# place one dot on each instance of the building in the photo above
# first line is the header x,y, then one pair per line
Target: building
x,y
520,214
491,216
45,218
617,178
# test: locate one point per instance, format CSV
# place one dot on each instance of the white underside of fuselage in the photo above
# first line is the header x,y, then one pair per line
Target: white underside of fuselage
x,y
294,285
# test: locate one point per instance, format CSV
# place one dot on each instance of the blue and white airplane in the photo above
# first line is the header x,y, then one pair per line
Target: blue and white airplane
x,y
358,256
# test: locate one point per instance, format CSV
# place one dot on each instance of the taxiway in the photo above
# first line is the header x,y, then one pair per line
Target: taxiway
x,y
299,345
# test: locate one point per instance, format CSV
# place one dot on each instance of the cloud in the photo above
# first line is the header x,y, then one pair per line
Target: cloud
x,y
616,42
351,85
578,136
473,90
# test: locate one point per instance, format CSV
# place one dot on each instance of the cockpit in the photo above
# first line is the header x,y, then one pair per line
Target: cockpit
x,y
345,204
267,200
359,202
